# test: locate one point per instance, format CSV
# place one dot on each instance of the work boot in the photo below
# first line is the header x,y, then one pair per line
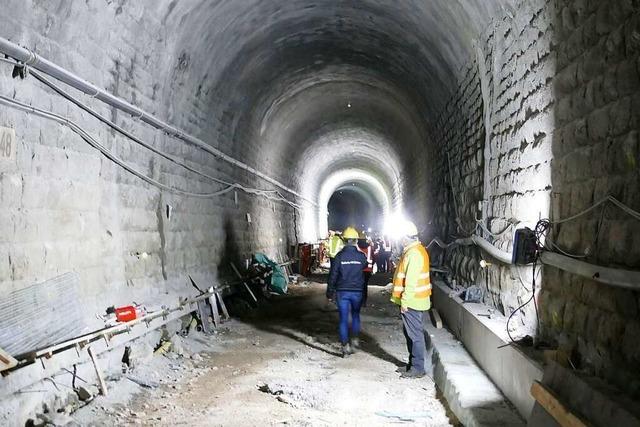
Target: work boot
x,y
403,369
413,374
355,343
346,350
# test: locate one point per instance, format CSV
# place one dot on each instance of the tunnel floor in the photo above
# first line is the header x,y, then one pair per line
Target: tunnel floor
x,y
280,366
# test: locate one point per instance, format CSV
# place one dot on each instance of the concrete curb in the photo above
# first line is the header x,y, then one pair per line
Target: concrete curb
x,y
471,395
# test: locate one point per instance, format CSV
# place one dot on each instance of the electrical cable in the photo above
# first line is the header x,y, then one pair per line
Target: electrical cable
x,y
541,229
562,251
527,302
606,199
119,129
269,194
26,57
526,288
480,224
95,144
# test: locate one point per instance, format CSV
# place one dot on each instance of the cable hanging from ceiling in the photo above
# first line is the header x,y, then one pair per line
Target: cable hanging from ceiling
x,y
273,195
25,60
108,154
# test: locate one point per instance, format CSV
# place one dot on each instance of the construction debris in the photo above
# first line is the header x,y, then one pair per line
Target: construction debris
x,y
86,393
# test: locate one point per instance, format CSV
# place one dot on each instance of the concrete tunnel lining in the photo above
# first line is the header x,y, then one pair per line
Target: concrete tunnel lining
x,y
223,98
367,183
374,92
205,69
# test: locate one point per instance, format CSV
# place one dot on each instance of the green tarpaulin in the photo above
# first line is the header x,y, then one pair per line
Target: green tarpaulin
x,y
279,279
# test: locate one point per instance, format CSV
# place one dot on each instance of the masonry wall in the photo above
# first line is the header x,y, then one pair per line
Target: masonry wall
x,y
66,207
560,82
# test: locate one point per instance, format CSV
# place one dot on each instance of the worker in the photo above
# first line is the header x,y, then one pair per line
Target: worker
x,y
412,291
385,258
335,245
346,286
366,248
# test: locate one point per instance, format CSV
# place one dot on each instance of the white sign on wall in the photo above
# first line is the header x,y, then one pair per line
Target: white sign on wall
x,y
7,148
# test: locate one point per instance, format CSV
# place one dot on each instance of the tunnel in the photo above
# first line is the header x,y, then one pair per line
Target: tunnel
x,y
169,160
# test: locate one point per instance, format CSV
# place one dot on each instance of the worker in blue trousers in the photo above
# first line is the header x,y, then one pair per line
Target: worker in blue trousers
x,y
346,286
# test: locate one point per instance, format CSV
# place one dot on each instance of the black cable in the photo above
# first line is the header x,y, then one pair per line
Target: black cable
x,y
73,380
540,231
514,312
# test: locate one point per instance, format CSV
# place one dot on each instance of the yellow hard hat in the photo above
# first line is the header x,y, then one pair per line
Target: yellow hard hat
x,y
409,229
350,233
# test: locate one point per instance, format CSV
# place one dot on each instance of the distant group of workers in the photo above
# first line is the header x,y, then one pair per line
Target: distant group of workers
x,y
352,256
378,250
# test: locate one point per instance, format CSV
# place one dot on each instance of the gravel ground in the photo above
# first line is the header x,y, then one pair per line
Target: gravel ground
x,y
278,365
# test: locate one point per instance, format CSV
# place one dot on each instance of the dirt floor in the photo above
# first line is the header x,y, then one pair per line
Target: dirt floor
x,y
278,365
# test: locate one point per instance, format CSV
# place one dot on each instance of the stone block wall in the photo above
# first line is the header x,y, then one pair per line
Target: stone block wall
x,y
595,151
67,207
555,84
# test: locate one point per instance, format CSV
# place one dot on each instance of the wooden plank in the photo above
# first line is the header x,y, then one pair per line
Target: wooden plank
x,y
6,360
214,308
94,360
203,311
555,407
287,268
222,305
435,318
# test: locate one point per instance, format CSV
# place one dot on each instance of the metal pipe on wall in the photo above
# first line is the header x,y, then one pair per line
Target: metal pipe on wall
x,y
32,59
625,279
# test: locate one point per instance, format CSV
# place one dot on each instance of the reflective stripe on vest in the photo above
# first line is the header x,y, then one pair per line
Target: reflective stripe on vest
x,y
422,287
367,252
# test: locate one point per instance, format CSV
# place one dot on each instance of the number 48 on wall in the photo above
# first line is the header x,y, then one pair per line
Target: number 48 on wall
x,y
7,143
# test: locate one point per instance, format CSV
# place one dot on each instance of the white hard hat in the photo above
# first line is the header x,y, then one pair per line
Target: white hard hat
x,y
408,228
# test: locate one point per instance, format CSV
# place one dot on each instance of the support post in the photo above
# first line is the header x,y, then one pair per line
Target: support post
x,y
94,360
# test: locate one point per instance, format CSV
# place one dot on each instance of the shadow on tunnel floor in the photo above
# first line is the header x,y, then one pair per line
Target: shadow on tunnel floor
x,y
307,317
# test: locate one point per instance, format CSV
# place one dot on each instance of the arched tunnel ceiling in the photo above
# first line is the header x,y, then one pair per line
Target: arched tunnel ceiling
x,y
307,88
355,204
302,89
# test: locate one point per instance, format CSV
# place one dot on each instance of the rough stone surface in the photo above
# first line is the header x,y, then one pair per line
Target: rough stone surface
x,y
560,82
504,111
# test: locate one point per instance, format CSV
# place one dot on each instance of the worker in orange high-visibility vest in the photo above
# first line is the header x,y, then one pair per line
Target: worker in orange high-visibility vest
x,y
412,292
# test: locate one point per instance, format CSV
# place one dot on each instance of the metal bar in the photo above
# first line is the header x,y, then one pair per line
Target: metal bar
x,y
243,282
112,330
94,360
32,59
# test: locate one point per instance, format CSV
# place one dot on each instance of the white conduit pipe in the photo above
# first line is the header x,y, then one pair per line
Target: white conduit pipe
x,y
34,60
626,279
618,278
500,255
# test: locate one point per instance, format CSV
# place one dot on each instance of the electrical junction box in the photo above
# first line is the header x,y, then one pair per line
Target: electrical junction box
x,y
525,246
